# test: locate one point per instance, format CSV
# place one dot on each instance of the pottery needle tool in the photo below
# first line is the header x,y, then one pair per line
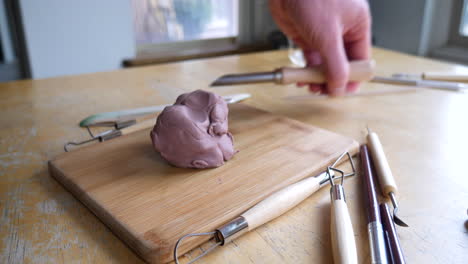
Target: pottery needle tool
x,y
374,227
436,76
384,174
342,234
441,85
396,253
362,70
275,205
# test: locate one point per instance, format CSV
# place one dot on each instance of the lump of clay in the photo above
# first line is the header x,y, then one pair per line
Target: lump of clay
x,y
193,133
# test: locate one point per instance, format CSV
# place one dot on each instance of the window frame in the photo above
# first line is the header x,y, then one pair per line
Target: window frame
x,y
455,38
203,46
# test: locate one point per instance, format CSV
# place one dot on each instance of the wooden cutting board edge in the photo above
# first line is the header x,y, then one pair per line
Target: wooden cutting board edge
x,y
147,251
116,227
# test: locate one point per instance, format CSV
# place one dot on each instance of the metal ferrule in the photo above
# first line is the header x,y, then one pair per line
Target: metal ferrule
x,y
324,178
124,123
377,243
278,76
110,134
337,192
231,230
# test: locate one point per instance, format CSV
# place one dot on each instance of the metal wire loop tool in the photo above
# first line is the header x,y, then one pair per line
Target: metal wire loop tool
x,y
268,209
343,243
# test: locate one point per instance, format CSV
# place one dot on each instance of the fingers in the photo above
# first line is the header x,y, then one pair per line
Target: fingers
x,y
358,45
335,62
282,20
358,40
314,59
352,87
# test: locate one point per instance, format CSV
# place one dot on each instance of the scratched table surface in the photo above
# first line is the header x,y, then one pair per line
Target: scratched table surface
x,y
423,131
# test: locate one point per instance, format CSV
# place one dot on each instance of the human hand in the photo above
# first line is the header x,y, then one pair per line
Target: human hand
x,y
329,32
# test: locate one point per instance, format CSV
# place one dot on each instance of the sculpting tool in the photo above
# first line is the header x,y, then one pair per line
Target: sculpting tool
x,y
113,133
358,71
111,118
123,124
436,76
275,205
396,253
342,234
374,226
442,85
384,174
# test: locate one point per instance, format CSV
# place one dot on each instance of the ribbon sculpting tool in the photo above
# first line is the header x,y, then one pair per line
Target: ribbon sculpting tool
x,y
268,209
384,174
113,133
342,234
374,227
396,254
362,70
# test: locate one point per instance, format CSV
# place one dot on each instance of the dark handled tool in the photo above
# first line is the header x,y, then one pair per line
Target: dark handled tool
x,y
374,226
396,254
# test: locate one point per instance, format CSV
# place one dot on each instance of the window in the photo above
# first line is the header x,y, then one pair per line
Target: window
x,y
183,23
464,20
459,27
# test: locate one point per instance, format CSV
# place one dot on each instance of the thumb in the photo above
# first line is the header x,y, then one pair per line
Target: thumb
x,y
335,61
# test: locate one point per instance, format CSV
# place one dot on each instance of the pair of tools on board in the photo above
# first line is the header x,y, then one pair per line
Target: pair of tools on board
x,y
128,121
359,71
381,229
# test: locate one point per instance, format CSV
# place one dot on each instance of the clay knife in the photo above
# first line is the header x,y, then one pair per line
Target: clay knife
x,y
358,71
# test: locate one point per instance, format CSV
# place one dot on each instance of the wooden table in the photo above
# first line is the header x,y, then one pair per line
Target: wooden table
x,y
424,132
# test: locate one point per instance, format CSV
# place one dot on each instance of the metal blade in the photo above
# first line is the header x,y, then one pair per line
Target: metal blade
x,y
234,79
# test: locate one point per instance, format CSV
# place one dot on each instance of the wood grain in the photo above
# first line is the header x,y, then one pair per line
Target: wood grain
x,y
423,133
150,204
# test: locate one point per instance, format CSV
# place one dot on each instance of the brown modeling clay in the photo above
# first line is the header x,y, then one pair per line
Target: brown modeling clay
x,y
193,133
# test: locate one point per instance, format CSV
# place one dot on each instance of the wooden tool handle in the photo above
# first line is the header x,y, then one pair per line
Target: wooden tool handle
x,y
446,76
358,71
138,126
384,174
280,202
343,243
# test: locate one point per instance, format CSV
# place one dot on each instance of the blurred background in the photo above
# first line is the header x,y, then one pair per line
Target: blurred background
x,y
50,38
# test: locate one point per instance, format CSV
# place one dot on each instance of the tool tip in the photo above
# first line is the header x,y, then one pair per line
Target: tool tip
x,y
399,222
368,129
215,83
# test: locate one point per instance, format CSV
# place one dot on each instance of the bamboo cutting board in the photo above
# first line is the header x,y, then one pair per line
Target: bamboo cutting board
x,y
150,204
